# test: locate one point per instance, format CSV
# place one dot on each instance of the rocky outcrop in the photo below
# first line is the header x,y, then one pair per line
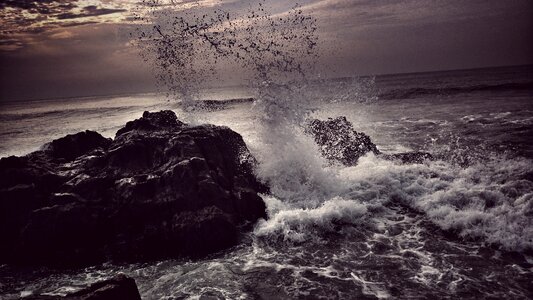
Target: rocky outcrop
x,y
118,287
339,142
74,145
160,189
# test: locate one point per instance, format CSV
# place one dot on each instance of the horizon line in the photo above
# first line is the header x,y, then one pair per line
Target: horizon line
x,y
154,91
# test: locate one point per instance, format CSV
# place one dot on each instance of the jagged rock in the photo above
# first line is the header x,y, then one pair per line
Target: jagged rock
x,y
74,145
118,287
160,189
165,119
339,142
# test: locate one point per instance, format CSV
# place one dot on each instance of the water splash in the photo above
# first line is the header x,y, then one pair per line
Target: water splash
x,y
277,50
185,43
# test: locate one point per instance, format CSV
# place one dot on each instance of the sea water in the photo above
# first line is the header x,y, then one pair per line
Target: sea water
x,y
460,226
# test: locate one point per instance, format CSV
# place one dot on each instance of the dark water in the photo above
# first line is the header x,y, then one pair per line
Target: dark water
x,y
458,227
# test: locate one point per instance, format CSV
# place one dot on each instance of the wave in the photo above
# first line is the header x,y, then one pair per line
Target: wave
x,y
491,201
454,90
297,224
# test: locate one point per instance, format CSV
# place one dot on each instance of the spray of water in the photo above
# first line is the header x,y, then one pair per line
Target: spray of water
x,y
185,43
277,50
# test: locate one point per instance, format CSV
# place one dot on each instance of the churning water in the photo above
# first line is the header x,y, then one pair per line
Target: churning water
x,y
461,226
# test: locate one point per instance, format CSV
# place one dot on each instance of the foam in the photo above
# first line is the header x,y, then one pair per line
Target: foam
x,y
298,224
487,200
491,200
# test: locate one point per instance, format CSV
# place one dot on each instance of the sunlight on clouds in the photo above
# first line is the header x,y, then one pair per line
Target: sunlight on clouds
x,y
85,37
62,35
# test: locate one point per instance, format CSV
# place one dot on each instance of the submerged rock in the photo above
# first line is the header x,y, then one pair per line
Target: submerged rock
x,y
160,189
339,142
118,287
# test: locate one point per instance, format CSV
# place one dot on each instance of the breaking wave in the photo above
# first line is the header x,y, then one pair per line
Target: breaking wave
x,y
488,200
491,202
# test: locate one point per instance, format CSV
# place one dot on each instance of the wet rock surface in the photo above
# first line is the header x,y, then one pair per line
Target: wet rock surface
x,y
160,189
339,142
118,287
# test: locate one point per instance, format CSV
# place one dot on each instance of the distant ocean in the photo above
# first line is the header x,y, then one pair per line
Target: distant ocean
x,y
488,106
459,227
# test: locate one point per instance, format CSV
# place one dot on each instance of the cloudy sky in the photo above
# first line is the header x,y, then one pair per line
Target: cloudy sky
x,y
64,48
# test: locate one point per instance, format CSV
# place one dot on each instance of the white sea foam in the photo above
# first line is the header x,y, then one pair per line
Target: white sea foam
x,y
297,224
488,200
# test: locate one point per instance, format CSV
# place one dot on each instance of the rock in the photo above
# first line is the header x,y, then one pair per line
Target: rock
x,y
162,120
339,142
74,145
160,189
118,287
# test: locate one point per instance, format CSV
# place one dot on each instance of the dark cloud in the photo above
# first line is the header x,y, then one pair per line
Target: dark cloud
x,y
41,7
26,15
89,11
22,15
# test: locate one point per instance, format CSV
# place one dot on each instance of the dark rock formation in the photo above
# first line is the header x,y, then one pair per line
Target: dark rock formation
x,y
339,142
159,189
162,120
74,145
118,287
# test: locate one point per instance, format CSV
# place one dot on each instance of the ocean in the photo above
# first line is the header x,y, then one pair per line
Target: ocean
x,y
457,227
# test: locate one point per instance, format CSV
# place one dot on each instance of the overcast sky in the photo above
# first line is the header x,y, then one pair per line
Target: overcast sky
x,y
63,48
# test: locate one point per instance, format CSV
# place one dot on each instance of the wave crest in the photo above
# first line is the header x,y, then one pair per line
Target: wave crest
x,y
301,224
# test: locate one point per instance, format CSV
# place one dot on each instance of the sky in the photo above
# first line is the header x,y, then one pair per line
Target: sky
x,y
64,48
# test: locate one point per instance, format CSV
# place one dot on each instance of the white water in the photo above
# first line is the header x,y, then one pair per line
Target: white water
x,y
489,201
